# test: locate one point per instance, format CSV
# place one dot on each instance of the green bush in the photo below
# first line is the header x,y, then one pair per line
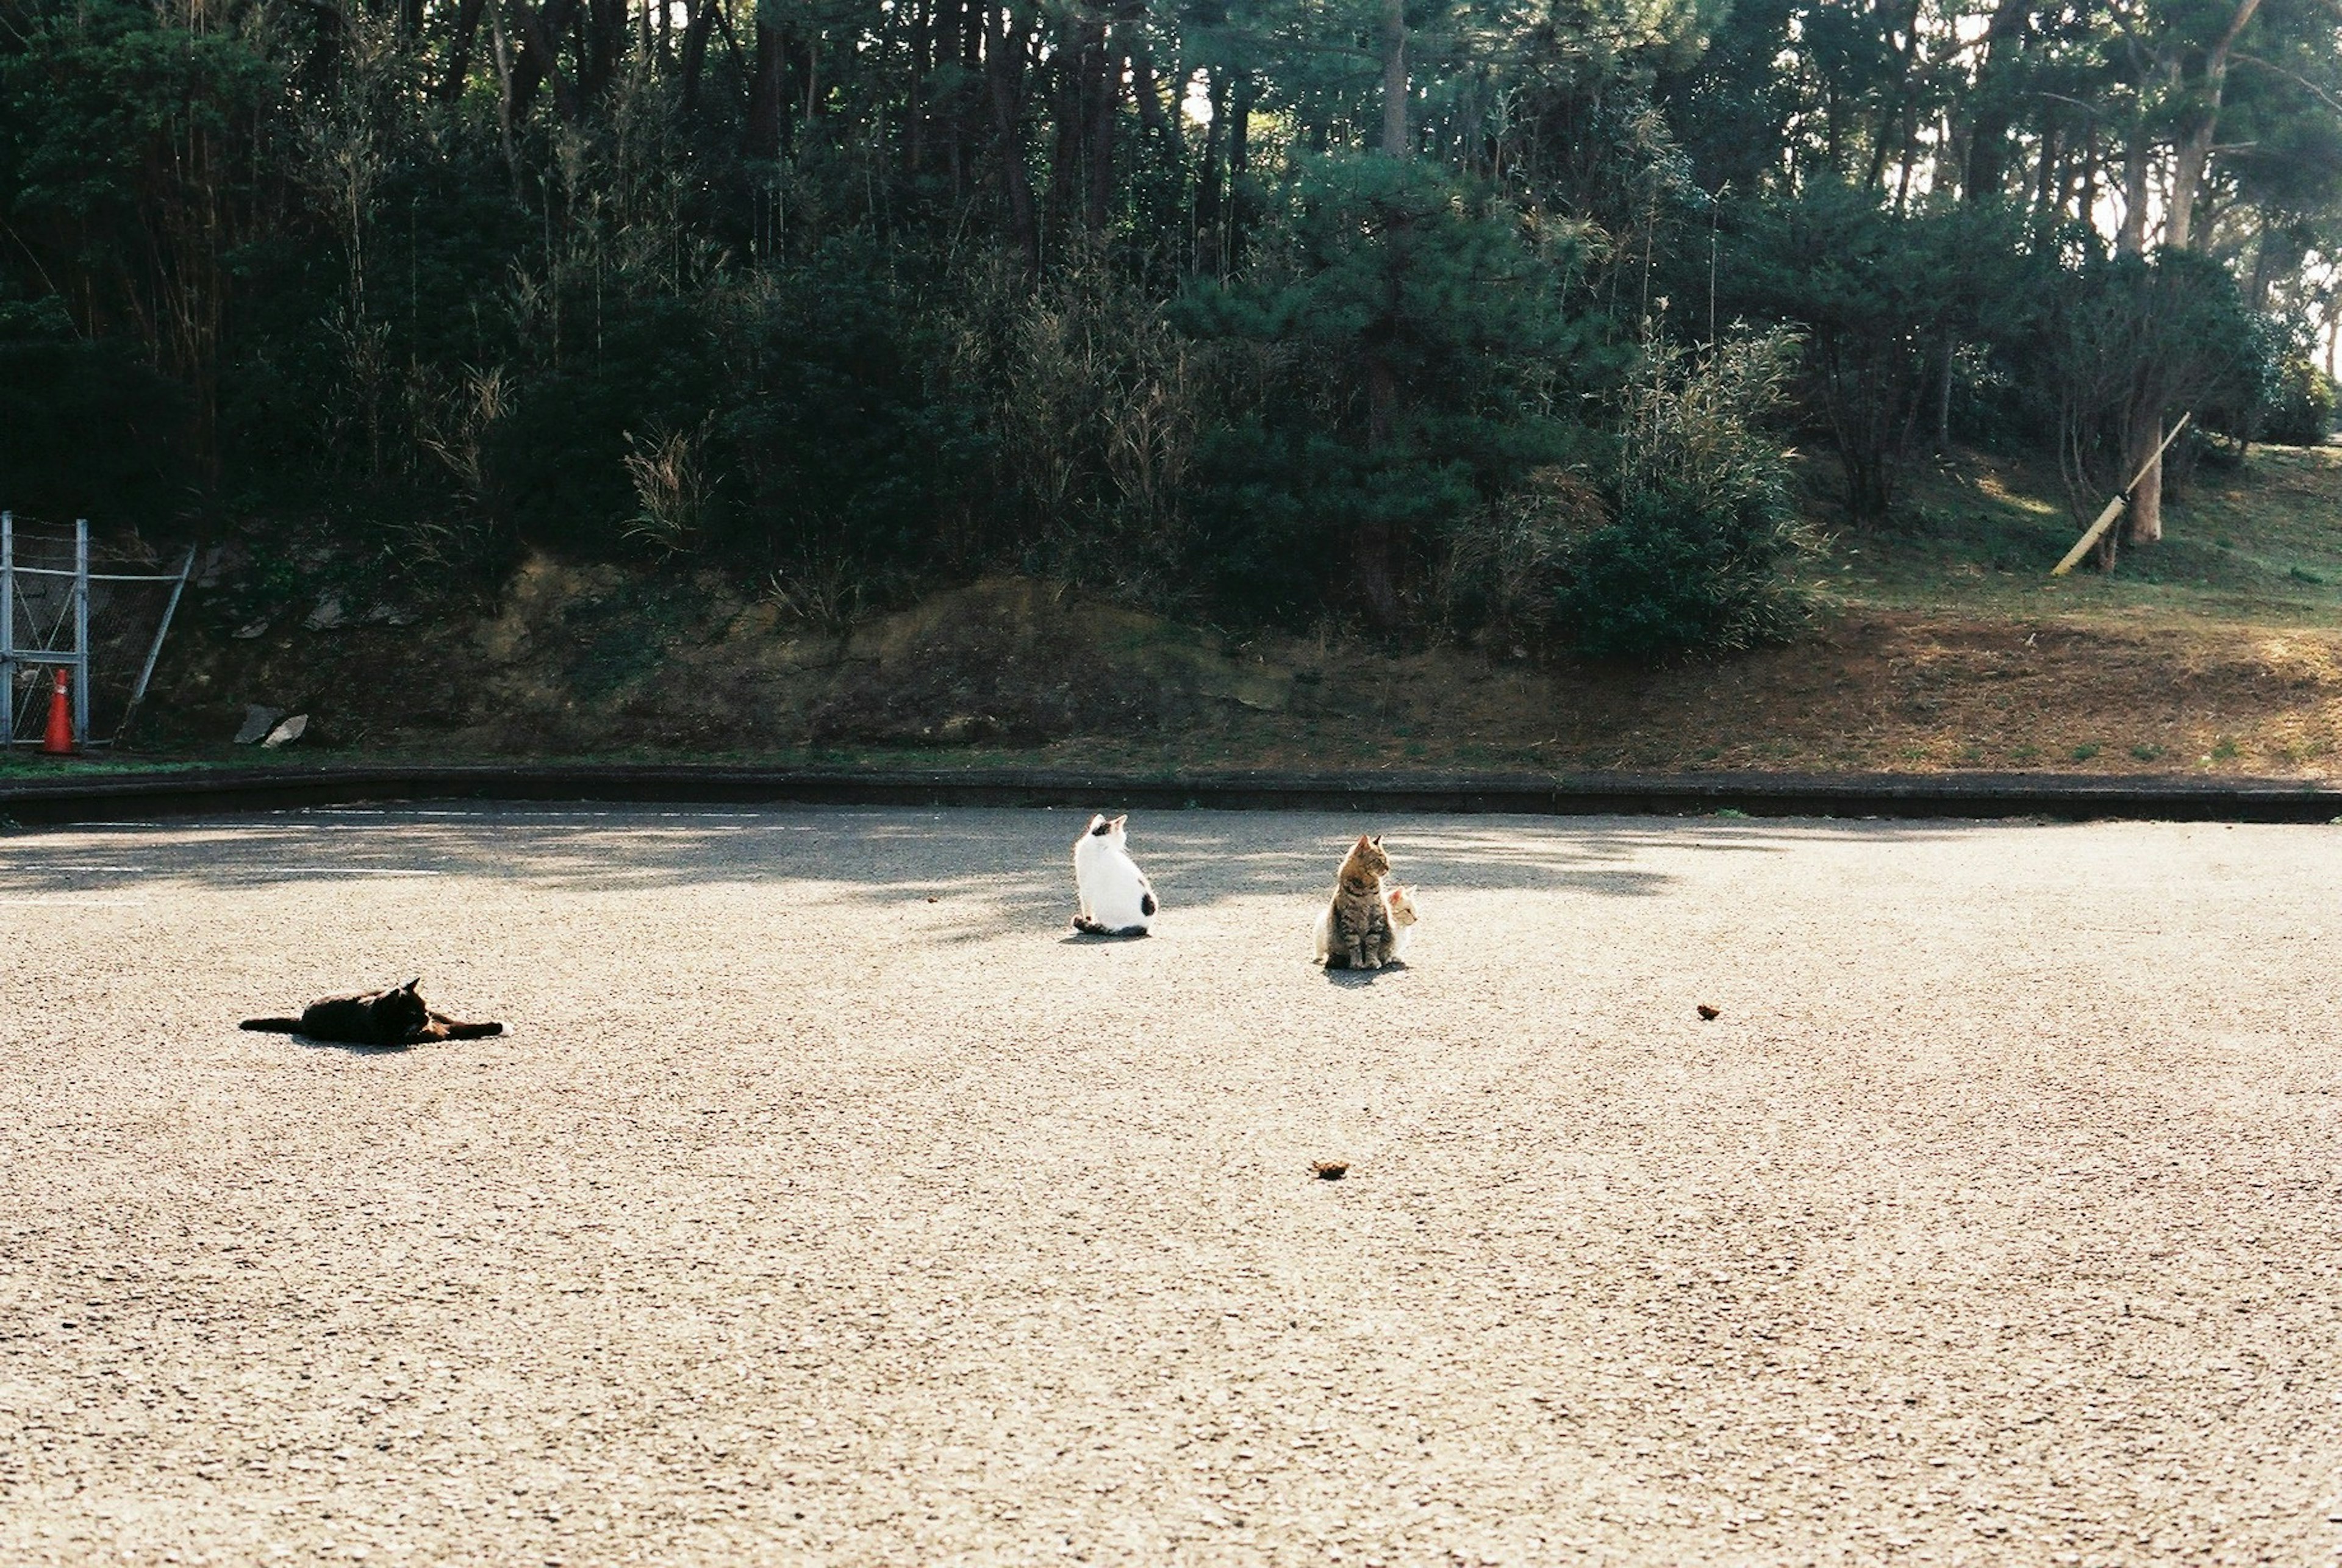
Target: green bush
x,y
1677,572
2301,411
1697,553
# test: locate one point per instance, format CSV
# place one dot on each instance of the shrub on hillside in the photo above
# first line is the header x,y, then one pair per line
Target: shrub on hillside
x,y
1698,552
2301,411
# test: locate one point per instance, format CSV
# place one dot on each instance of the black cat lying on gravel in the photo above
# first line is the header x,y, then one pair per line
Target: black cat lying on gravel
x,y
394,1017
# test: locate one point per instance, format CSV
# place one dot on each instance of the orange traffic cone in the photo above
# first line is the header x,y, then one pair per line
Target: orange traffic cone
x,y
59,740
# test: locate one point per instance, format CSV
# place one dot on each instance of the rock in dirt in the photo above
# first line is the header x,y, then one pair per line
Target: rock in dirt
x,y
1710,1013
286,734
329,614
1330,1170
253,629
257,721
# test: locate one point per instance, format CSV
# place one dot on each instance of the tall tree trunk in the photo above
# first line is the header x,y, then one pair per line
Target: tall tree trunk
x,y
1102,98
2005,40
1004,77
914,126
604,27
459,50
702,22
1210,221
538,57
1372,543
966,106
769,88
1064,70
2131,239
2143,524
1394,90
2196,145
2048,184
1882,141
1243,90
1147,88
505,105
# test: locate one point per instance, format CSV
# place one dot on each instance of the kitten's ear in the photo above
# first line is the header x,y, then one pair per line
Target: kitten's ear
x,y
1120,820
1361,841
1378,841
411,984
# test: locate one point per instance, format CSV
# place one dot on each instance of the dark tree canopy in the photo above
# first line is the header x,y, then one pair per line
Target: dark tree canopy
x,y
1264,309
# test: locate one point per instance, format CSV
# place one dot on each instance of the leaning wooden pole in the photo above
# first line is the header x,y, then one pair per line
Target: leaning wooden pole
x,y
2098,530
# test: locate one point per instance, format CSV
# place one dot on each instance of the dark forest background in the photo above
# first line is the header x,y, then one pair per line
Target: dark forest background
x,y
1426,317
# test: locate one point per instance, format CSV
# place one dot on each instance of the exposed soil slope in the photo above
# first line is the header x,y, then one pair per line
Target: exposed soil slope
x,y
1945,646
597,660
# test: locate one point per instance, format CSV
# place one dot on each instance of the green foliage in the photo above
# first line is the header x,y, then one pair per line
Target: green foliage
x,y
2132,340
850,298
1703,539
2300,409
1884,299
852,449
86,428
1688,541
1411,341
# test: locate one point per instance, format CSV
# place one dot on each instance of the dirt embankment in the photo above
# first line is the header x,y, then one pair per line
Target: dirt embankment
x,y
597,660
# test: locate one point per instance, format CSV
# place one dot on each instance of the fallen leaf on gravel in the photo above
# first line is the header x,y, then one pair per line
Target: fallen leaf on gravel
x,y
1709,1013
1330,1170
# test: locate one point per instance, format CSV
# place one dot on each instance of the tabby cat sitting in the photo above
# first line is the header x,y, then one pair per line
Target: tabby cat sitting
x,y
1358,932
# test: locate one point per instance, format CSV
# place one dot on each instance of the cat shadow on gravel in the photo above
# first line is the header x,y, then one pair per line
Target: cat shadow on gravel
x,y
1354,979
347,1048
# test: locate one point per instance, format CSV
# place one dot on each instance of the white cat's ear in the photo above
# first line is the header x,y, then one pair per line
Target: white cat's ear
x,y
1120,820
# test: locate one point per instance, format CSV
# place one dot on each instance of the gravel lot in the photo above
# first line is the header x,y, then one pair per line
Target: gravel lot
x,y
827,1204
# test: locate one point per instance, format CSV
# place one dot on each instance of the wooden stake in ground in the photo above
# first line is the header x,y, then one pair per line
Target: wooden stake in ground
x,y
2115,507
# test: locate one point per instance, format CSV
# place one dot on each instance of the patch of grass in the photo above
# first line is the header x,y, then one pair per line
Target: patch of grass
x,y
2225,752
2256,546
2145,752
2084,752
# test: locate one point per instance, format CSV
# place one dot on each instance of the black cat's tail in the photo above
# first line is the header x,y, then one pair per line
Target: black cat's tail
x,y
273,1025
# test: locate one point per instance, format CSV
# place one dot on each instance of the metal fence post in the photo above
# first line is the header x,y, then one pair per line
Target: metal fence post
x,y
8,628
80,631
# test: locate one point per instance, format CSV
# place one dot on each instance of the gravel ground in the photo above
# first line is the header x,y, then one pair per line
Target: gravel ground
x,y
827,1205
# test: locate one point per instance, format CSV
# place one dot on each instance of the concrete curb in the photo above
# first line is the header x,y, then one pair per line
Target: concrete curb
x,y
68,799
